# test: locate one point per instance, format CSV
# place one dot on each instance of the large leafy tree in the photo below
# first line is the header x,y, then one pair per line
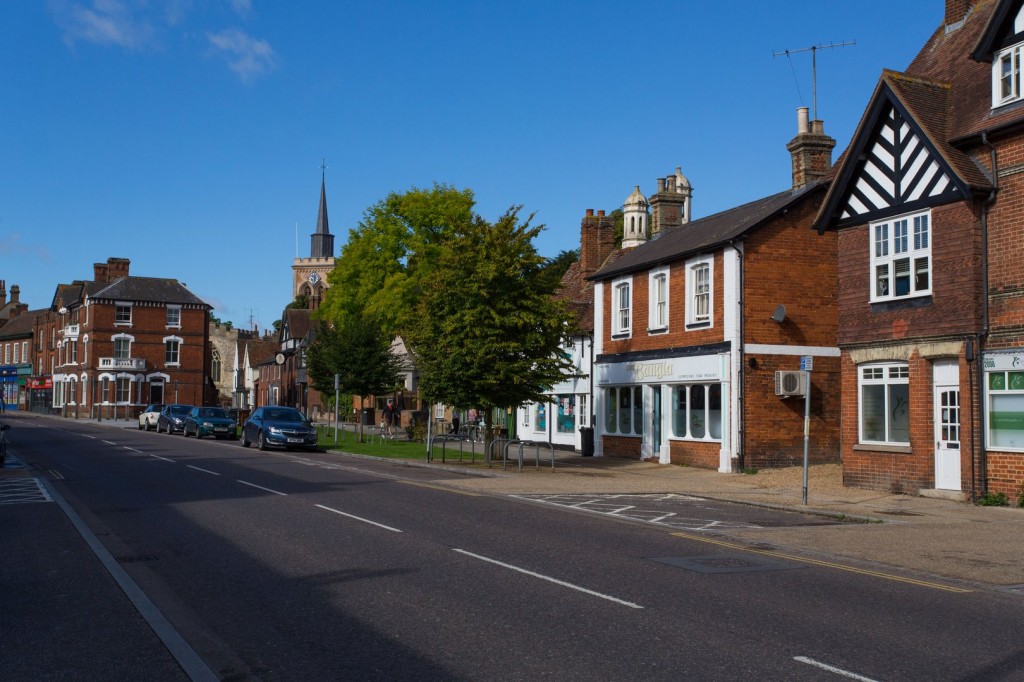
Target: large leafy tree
x,y
486,332
359,353
381,268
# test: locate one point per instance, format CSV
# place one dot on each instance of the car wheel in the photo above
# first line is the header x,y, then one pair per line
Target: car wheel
x,y
140,426
261,442
245,441
184,431
149,427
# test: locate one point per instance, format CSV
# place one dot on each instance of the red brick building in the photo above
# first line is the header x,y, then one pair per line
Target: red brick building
x,y
693,326
109,346
926,206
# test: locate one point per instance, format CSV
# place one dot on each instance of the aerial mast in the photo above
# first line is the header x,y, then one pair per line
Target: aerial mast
x,y
813,49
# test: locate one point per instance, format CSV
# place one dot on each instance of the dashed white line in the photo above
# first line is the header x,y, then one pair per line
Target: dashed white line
x,y
108,442
132,449
550,579
832,669
276,492
205,471
359,518
163,458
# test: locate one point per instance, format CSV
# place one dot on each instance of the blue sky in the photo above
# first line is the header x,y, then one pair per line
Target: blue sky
x,y
187,135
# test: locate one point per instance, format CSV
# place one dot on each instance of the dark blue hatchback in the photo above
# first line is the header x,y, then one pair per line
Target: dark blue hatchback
x,y
280,427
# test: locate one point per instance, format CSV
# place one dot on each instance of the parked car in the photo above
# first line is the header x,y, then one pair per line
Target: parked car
x,y
283,427
209,421
172,418
148,417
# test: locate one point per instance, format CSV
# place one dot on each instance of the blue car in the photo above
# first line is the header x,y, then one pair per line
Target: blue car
x,y
172,418
280,427
209,421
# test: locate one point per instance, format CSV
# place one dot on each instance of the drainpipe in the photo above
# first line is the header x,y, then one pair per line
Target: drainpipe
x,y
741,384
983,336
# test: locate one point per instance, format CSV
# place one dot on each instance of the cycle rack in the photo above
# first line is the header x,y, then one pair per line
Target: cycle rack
x,y
522,443
444,438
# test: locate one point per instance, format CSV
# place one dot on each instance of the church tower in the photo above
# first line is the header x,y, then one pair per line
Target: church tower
x,y
309,275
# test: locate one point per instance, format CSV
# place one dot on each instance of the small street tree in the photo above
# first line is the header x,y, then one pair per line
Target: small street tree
x,y
486,332
359,352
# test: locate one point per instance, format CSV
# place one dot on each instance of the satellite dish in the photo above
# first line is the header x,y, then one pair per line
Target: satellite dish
x,y
780,313
279,358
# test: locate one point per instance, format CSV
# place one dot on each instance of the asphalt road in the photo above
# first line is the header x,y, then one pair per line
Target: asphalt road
x,y
314,566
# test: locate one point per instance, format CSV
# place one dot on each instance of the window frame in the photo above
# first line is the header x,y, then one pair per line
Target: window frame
x,y
695,288
615,408
622,310
119,317
1009,55
890,245
176,323
658,285
1010,388
175,352
888,375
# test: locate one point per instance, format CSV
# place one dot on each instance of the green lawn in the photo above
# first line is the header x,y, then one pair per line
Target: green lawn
x,y
398,449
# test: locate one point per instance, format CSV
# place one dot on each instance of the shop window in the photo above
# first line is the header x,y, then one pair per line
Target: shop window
x,y
697,411
624,407
885,403
566,413
1006,410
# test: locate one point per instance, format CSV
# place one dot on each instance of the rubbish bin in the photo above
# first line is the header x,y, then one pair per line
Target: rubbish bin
x,y
367,416
587,441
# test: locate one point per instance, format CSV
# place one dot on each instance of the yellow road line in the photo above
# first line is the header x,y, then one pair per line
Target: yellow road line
x,y
441,488
826,564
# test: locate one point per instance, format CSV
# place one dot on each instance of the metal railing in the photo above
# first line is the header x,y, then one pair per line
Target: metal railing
x,y
523,443
444,439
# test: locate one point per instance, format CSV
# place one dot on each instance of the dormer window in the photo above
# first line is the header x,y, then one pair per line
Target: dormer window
x,y
1006,76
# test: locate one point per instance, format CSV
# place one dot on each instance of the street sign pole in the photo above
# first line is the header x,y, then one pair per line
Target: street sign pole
x,y
337,407
806,365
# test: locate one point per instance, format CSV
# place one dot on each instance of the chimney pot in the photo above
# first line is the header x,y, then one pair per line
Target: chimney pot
x,y
801,120
15,294
590,212
818,127
600,213
661,184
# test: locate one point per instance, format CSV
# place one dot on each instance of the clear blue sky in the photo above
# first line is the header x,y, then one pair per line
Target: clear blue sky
x,y
187,135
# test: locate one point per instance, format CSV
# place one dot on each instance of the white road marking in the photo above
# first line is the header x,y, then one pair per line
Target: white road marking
x,y
109,442
550,579
163,458
132,449
357,518
85,435
832,669
260,487
205,471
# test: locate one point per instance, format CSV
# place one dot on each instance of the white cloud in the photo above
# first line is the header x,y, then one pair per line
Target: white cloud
x,y
103,22
247,56
241,7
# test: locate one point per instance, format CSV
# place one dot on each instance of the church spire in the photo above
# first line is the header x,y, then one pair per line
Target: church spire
x,y
321,243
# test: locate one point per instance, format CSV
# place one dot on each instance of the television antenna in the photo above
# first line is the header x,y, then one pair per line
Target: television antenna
x,y
813,49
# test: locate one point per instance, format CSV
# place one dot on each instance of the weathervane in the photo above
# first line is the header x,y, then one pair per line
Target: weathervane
x,y
814,65
323,166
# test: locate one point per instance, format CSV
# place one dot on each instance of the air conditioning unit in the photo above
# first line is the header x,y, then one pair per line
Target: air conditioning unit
x,y
790,383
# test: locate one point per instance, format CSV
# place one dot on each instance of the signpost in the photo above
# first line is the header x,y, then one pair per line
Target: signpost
x,y
337,383
806,365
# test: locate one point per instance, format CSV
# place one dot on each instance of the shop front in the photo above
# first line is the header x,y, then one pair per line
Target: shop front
x,y
673,408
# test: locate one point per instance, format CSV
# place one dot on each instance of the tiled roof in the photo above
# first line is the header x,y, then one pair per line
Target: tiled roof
x,y
298,322
261,350
578,295
21,325
700,236
150,289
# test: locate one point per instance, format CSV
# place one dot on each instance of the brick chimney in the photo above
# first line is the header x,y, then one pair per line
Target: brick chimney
x,y
597,241
670,205
956,10
114,268
811,150
15,294
3,292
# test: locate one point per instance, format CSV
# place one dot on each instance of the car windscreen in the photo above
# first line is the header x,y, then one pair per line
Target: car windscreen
x,y
213,412
284,415
180,409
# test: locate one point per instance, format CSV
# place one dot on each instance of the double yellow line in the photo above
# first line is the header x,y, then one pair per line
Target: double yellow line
x,y
826,564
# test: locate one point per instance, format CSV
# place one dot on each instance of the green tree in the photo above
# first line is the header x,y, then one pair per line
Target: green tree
x,y
487,331
381,268
359,352
556,267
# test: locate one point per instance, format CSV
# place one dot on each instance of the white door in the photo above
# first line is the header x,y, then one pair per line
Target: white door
x,y
947,426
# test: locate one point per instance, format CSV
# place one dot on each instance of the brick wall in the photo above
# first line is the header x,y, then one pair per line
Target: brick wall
x,y
954,308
